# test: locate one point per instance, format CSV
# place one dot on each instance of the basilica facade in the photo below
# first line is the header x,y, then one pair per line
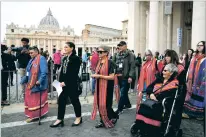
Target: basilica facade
x,y
49,36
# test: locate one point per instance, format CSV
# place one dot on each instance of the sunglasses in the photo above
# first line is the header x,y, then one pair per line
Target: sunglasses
x,y
100,52
200,45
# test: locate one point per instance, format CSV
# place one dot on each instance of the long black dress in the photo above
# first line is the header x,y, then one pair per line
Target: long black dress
x,y
110,88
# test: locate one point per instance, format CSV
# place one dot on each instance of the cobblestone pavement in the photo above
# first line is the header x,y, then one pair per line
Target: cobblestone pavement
x,y
191,128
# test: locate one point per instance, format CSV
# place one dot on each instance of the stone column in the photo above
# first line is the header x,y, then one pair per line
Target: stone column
x,y
142,40
57,41
44,45
133,26
153,26
147,29
177,22
169,32
198,22
31,42
51,47
38,44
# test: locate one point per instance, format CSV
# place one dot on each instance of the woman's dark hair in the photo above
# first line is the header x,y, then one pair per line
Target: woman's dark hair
x,y
45,54
35,48
203,51
3,47
187,56
72,45
173,55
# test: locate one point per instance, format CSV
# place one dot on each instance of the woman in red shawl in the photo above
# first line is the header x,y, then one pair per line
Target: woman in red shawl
x,y
147,74
195,100
172,57
103,96
36,81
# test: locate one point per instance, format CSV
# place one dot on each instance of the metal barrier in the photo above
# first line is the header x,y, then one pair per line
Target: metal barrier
x,y
16,95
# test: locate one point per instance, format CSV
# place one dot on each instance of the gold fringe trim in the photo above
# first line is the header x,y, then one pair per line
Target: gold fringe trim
x,y
35,108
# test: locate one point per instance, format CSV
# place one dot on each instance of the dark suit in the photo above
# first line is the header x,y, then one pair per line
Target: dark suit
x,y
4,75
70,90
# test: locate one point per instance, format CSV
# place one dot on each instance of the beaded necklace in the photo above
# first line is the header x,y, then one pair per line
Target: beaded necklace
x,y
65,64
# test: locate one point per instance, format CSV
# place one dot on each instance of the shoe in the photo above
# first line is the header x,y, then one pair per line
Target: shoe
x,y
185,116
200,119
114,121
28,120
118,112
100,125
74,125
5,103
127,107
60,123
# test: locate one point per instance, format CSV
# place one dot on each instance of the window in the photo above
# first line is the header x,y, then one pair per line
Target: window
x,y
68,33
126,32
12,30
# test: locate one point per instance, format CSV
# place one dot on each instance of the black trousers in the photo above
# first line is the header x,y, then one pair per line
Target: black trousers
x,y
10,79
4,79
84,67
56,67
62,101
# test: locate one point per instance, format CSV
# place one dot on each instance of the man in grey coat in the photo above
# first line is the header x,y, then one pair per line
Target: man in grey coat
x,y
125,69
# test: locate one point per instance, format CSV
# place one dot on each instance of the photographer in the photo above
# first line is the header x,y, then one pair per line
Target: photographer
x,y
4,75
23,57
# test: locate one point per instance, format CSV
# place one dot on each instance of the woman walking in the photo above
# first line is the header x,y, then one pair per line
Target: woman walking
x,y
36,81
194,102
68,79
147,75
103,96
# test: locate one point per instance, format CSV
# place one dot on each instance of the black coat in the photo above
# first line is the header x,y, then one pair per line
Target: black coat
x,y
23,58
71,76
5,61
12,59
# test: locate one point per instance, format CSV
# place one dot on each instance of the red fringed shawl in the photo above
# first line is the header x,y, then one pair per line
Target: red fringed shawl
x,y
193,73
171,85
34,72
103,95
149,70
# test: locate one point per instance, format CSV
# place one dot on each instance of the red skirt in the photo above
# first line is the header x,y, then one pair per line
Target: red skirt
x,y
32,103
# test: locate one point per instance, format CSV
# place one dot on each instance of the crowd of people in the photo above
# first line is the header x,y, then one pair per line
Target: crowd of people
x,y
157,76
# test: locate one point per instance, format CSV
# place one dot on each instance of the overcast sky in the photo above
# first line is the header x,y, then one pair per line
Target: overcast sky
x,y
75,14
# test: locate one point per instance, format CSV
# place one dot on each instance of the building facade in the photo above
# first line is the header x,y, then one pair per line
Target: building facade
x,y
93,36
47,36
161,25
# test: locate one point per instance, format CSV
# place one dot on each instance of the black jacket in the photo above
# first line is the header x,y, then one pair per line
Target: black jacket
x,y
162,95
23,58
71,76
5,61
12,59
